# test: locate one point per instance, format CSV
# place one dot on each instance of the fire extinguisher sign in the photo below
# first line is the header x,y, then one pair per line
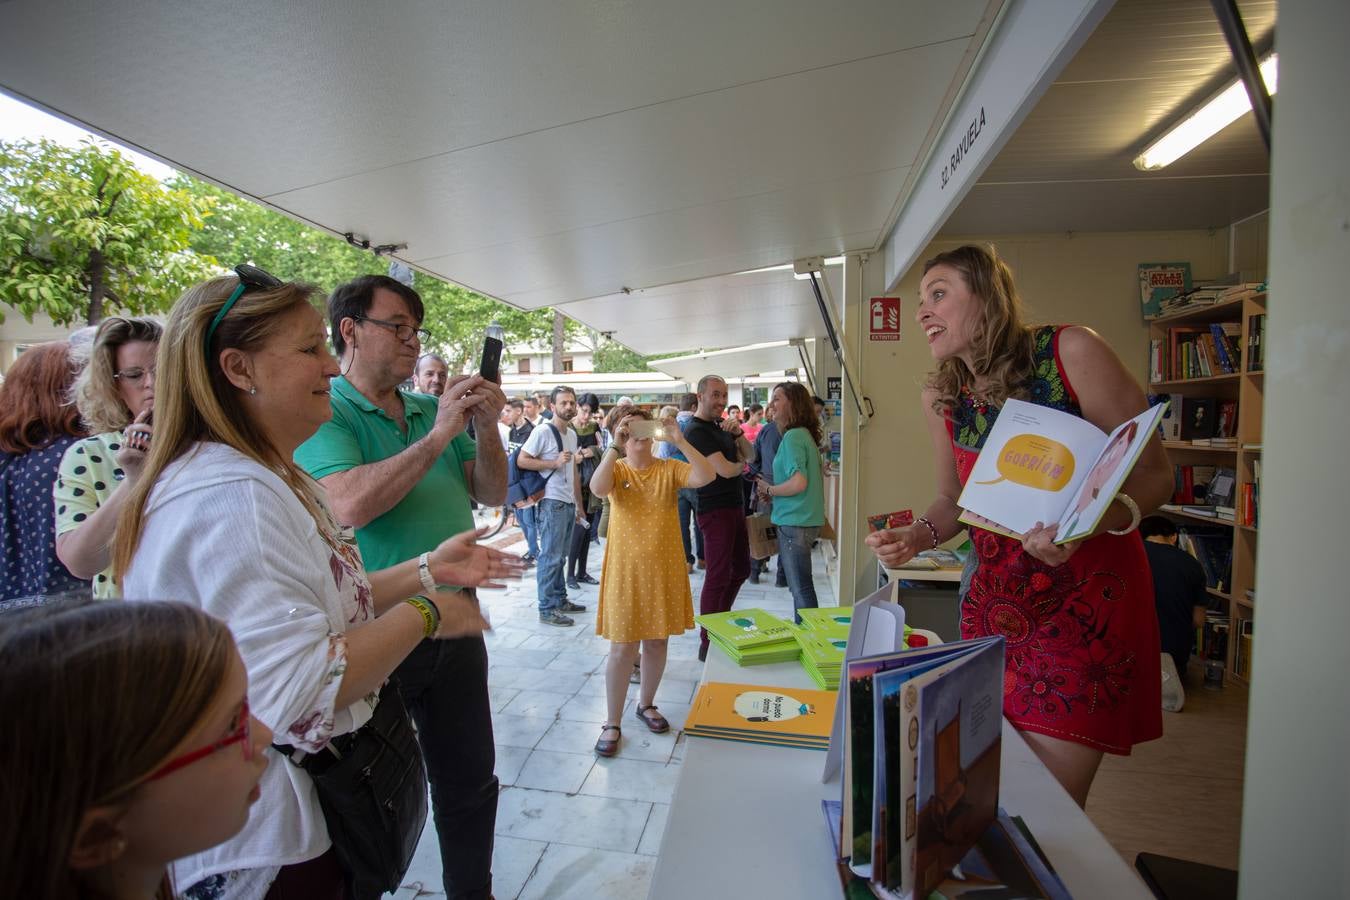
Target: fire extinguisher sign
x,y
884,321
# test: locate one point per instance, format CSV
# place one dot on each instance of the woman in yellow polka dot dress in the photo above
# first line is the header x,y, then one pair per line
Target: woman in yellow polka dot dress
x,y
644,585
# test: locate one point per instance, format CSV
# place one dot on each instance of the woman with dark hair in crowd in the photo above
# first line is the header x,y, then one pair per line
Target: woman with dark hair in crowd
x,y
138,747
223,518
115,394
587,428
796,490
1082,633
37,424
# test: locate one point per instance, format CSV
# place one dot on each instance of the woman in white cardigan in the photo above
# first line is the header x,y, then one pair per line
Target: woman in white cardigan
x,y
223,518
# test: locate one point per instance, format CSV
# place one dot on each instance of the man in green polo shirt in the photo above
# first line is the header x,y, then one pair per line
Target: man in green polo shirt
x,y
399,468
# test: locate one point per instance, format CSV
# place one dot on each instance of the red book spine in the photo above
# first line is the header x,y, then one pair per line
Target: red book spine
x,y
1248,504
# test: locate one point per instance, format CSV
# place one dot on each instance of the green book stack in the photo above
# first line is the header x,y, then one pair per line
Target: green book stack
x,y
832,620
751,636
822,655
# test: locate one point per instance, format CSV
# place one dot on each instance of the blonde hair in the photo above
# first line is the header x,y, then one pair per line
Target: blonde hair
x,y
666,412
197,402
1001,342
104,693
95,390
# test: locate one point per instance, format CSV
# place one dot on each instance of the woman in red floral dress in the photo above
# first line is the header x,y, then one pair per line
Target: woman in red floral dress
x,y
1082,673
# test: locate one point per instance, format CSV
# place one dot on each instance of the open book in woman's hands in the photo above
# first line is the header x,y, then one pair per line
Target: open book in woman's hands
x,y
1042,465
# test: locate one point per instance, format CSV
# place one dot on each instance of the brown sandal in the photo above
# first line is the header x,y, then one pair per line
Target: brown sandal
x,y
655,722
608,748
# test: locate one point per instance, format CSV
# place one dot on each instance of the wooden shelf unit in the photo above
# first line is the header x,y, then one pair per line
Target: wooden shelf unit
x,y
1248,388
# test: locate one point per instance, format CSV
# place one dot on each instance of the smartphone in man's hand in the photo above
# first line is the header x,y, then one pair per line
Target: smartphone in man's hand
x,y
490,364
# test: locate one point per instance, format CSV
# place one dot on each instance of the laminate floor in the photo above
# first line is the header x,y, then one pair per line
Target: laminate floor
x,y
1180,795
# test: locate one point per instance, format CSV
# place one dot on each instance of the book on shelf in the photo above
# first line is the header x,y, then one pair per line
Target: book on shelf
x,y
1042,465
923,735
1169,426
1196,351
1242,647
1256,329
1161,281
1199,417
1250,499
1191,484
1213,549
762,714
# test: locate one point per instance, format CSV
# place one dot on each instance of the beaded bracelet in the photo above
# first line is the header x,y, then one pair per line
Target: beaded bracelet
x,y
431,616
932,528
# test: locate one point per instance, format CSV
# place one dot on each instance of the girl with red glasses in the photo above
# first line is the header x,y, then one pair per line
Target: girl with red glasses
x,y
136,746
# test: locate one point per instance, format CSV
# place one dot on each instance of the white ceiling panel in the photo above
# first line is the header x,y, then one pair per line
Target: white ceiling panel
x,y
330,88
710,313
727,236
779,135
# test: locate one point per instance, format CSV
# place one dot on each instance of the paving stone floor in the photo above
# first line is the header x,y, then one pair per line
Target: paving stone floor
x,y
569,824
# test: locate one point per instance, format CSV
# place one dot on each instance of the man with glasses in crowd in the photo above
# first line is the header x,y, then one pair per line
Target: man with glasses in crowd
x,y
399,468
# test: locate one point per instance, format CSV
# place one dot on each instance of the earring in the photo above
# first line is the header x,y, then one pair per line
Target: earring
x,y
253,390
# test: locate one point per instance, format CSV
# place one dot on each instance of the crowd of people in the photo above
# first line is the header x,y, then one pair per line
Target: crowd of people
x,y
290,534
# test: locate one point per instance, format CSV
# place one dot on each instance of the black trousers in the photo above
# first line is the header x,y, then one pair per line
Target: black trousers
x,y
444,685
580,550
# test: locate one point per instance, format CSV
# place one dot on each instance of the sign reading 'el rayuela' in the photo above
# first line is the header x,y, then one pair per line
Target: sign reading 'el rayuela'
x,y
959,152
884,321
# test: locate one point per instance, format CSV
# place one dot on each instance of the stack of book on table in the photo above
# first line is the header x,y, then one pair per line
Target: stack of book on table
x,y
751,636
921,742
822,655
787,717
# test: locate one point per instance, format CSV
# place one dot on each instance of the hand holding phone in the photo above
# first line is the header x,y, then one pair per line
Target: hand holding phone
x,y
644,429
489,366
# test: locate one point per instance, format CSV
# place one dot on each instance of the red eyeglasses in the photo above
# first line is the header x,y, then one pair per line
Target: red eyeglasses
x,y
240,733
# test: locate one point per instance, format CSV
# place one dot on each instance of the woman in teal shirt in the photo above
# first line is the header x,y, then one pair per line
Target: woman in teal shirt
x,y
797,490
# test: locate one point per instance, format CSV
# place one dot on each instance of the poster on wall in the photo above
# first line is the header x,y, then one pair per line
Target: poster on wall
x,y
884,321
834,387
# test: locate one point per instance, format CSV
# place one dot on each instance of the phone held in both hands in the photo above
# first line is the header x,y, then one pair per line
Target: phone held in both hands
x,y
490,365
644,429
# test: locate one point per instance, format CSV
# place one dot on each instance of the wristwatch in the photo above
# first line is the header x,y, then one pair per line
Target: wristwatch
x,y
424,573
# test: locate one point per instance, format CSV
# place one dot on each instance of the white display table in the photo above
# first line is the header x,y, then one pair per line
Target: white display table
x,y
745,820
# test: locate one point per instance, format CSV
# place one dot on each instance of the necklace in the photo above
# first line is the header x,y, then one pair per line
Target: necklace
x,y
641,474
981,405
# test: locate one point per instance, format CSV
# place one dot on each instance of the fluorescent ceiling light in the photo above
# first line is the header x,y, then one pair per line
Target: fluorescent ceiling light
x,y
1217,113
832,261
806,276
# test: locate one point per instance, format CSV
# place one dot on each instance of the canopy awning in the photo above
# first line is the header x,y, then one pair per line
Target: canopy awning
x,y
726,311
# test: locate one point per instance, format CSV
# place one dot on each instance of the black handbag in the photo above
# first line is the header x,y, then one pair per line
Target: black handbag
x,y
372,786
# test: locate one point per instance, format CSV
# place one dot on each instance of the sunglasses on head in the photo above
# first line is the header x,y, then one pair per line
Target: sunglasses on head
x,y
250,278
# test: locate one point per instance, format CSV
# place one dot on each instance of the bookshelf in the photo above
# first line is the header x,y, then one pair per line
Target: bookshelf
x,y
1246,386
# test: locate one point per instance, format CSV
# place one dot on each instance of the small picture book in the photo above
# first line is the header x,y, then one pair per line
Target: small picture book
x,y
1042,465
898,519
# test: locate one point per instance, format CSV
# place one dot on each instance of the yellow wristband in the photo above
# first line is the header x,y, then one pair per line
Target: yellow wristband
x,y
431,616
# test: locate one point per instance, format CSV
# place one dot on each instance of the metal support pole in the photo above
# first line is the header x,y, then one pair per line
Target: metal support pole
x,y
1230,20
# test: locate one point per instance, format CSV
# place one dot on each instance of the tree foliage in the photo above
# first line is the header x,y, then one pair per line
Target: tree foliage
x,y
84,232
241,231
611,356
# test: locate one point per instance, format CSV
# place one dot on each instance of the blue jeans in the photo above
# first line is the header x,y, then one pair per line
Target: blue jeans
x,y
688,505
555,520
794,552
526,518
444,685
